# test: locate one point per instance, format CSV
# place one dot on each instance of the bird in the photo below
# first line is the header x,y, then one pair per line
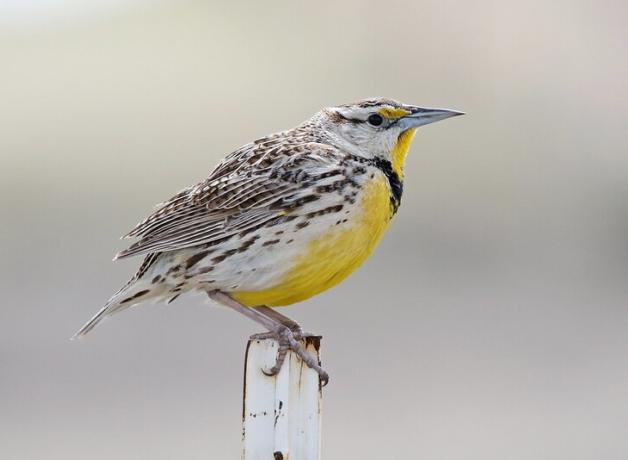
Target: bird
x,y
279,220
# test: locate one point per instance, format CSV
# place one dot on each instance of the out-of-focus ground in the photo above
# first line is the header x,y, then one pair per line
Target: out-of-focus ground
x,y
491,323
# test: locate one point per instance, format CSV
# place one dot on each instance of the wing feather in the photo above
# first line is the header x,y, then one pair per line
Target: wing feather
x,y
250,187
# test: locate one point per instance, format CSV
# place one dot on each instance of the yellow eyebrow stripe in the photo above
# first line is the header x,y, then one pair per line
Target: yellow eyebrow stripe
x,y
392,113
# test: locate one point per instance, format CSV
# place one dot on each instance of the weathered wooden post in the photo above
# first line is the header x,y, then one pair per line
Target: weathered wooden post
x,y
281,416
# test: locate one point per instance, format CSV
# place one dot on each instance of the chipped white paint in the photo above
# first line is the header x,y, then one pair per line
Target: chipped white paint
x,y
281,414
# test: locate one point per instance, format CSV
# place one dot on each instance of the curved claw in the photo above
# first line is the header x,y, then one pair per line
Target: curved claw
x,y
281,357
271,372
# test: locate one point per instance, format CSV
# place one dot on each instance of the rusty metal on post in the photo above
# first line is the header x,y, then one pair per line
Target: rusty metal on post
x,y
281,415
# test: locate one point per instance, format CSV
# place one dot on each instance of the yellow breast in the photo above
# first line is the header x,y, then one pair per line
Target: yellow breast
x,y
333,256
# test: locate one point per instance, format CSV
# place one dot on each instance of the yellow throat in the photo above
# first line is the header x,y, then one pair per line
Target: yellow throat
x,y
400,151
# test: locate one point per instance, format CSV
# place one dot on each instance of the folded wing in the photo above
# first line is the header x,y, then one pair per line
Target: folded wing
x,y
252,186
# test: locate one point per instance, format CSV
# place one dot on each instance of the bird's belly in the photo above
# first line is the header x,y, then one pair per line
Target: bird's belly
x,y
332,254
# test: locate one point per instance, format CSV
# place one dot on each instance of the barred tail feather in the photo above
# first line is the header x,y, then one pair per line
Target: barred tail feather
x,y
131,294
136,290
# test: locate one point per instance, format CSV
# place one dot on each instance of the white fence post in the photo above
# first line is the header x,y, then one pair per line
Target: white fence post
x,y
281,416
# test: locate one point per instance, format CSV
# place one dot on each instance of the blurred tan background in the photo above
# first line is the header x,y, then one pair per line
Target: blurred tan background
x,y
491,323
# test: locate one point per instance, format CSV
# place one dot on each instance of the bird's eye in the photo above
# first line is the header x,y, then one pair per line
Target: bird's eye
x,y
375,119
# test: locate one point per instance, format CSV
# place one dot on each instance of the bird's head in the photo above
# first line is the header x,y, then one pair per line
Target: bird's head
x,y
379,128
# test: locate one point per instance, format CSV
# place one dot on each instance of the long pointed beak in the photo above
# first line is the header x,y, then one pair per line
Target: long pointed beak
x,y
420,116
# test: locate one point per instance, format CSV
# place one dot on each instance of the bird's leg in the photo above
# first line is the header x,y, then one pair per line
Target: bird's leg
x,y
250,313
289,323
278,331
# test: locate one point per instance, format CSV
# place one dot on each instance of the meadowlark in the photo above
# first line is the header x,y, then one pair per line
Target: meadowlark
x,y
279,220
